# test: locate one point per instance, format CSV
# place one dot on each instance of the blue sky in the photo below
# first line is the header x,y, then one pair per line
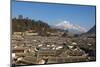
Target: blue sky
x,y
54,13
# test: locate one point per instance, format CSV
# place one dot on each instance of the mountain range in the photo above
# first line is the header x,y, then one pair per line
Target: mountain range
x,y
42,27
92,30
71,28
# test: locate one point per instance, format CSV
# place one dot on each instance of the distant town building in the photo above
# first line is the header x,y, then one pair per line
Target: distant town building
x,y
18,50
20,17
17,33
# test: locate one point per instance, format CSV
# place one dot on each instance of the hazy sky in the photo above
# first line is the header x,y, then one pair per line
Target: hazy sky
x,y
54,13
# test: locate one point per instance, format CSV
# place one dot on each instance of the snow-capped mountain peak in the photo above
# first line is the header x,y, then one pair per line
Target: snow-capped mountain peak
x,y
66,25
